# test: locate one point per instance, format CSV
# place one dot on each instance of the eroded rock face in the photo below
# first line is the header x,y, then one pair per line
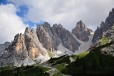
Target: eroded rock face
x,y
24,49
100,31
51,37
31,42
33,45
15,53
44,34
81,31
109,35
65,37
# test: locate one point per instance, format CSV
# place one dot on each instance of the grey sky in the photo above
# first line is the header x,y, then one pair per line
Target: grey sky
x,y
66,12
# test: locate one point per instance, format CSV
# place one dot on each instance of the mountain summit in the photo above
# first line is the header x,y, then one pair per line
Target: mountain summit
x,y
104,26
24,50
51,37
81,31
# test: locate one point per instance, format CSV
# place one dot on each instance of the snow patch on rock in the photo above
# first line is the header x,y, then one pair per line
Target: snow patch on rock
x,y
82,48
41,58
84,45
62,51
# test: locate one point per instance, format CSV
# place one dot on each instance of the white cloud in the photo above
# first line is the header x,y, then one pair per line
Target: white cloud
x,y
10,23
68,12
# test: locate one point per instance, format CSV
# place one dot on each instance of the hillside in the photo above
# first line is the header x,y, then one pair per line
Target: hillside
x,y
94,63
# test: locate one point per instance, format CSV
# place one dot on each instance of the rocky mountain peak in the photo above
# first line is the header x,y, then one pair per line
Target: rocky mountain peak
x,y
81,31
111,13
51,37
43,34
33,31
25,48
27,30
18,43
57,26
104,26
80,25
112,9
46,25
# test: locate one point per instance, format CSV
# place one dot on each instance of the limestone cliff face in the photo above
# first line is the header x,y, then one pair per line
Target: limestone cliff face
x,y
100,31
24,49
81,31
65,37
45,37
105,34
33,45
18,46
51,37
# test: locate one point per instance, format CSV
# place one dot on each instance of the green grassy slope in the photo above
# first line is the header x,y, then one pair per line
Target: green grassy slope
x,y
105,40
94,63
83,54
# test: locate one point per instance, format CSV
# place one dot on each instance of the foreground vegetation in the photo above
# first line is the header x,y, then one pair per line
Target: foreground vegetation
x,y
25,71
105,40
94,63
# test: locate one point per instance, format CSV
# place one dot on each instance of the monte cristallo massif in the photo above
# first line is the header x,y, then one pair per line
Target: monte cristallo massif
x,y
35,45
46,42
55,51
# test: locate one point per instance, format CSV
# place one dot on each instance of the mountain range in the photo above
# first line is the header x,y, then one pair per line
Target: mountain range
x,y
35,45
47,42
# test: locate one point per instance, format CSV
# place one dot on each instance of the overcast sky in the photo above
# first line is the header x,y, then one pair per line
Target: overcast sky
x,y
15,15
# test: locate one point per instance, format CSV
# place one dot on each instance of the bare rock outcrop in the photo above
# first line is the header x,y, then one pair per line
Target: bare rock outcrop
x,y
81,31
104,26
51,37
24,50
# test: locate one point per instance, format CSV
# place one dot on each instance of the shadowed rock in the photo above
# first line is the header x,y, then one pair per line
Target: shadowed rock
x,y
104,26
81,31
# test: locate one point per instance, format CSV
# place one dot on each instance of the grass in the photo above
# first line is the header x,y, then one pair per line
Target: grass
x,y
83,54
50,54
61,67
105,40
66,58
